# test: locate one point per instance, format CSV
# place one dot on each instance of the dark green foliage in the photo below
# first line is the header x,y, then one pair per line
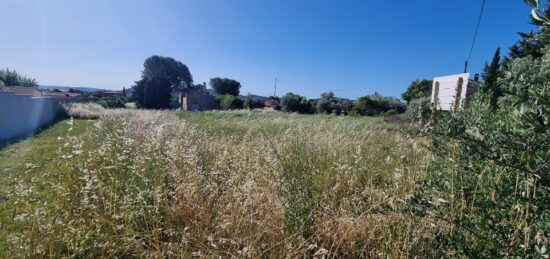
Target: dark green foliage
x,y
229,102
296,103
418,110
225,86
160,76
488,186
531,44
13,78
491,73
418,89
112,102
252,103
330,104
372,105
152,93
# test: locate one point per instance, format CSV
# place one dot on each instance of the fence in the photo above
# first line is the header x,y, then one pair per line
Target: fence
x,y
21,115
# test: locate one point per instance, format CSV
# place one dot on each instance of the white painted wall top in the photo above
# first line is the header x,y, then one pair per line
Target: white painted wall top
x,y
446,94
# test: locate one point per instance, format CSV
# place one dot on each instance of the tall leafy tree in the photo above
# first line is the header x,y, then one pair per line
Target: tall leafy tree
x,y
417,89
491,73
224,86
161,76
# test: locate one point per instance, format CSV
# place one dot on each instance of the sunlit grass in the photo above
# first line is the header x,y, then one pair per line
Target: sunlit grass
x,y
243,184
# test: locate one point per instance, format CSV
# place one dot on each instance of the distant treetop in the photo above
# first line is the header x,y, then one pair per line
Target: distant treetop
x,y
224,86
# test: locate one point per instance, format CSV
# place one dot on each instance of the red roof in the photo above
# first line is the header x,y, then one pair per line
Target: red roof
x,y
21,90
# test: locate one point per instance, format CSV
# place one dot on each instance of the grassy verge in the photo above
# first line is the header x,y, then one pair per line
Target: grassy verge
x,y
26,163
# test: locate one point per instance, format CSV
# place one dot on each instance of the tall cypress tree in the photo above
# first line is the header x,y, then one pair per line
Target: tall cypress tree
x,y
491,73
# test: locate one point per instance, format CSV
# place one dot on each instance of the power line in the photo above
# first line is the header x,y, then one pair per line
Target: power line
x,y
475,35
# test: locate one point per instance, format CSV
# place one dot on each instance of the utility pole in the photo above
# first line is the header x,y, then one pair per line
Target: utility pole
x,y
275,90
466,67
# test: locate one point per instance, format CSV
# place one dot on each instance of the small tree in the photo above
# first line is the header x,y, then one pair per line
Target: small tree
x,y
417,89
225,86
327,103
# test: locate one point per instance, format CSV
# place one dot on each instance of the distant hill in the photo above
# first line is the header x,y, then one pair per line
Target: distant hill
x,y
66,88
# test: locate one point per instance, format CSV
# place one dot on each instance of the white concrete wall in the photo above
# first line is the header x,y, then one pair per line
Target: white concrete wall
x,y
21,115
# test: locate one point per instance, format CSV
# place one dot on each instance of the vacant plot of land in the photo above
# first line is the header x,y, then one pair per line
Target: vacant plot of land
x,y
147,183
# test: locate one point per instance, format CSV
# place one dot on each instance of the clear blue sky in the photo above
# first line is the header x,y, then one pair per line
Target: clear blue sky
x,y
350,47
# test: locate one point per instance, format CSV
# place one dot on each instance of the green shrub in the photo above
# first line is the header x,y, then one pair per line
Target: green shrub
x,y
488,187
112,102
418,110
228,102
376,104
291,102
391,112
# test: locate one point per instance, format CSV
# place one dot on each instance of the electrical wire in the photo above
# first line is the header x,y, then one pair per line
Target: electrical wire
x,y
477,30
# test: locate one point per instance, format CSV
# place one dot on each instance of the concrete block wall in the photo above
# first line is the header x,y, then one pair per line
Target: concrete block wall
x,y
21,115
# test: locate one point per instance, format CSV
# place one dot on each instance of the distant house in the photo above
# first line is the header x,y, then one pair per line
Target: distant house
x,y
21,90
198,99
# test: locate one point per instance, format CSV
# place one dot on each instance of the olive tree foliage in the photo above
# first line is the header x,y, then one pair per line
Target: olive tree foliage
x,y
291,102
376,104
330,104
417,89
488,186
159,78
418,110
224,86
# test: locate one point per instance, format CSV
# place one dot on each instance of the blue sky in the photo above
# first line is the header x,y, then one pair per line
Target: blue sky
x,y
352,48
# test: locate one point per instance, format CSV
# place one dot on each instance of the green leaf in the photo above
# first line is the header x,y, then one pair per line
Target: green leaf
x,y
525,107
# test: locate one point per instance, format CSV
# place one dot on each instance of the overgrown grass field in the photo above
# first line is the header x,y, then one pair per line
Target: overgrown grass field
x,y
232,184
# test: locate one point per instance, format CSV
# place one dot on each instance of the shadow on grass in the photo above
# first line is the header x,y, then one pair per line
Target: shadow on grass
x,y
7,142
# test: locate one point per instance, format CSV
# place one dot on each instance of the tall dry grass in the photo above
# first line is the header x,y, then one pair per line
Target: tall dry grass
x,y
148,184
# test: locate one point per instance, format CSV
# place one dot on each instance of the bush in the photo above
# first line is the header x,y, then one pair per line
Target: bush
x,y
252,103
373,105
229,102
489,184
112,102
330,104
295,103
418,110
